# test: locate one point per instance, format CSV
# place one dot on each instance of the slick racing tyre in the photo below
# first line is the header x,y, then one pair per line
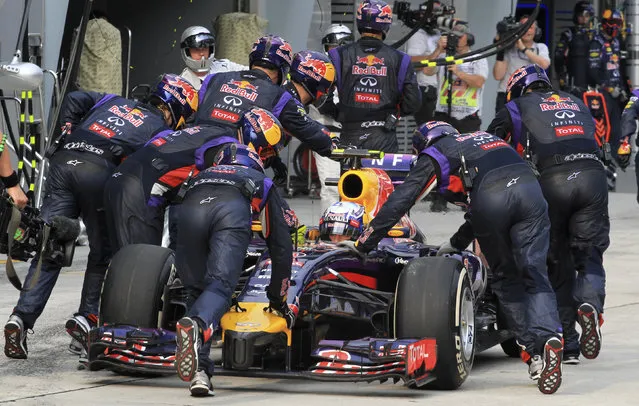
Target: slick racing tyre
x,y
434,299
134,283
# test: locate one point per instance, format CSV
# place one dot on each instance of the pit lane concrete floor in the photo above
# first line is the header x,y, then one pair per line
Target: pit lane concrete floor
x,y
50,375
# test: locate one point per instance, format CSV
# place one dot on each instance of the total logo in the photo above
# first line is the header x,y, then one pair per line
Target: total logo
x,y
369,98
568,130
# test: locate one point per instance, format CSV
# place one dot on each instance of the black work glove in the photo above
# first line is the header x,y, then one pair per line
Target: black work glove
x,y
280,171
279,307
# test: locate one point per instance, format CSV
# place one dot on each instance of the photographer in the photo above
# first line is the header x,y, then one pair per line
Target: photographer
x,y
465,82
423,46
525,52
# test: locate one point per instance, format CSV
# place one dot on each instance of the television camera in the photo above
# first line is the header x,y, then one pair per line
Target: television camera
x,y
24,233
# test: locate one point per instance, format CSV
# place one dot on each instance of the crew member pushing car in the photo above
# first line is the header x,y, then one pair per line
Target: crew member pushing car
x,y
507,214
211,246
103,130
557,132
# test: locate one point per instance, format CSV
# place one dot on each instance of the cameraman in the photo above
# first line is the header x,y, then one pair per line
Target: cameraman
x,y
465,82
525,52
423,46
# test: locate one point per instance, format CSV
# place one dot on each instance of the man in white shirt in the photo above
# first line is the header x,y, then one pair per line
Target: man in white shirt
x,y
466,85
423,46
198,52
525,52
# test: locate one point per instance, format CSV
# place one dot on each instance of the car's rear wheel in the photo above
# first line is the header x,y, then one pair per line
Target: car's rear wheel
x,y
434,300
134,284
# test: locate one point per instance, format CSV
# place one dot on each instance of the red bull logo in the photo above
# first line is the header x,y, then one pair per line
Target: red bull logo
x,y
286,52
555,98
557,102
372,66
188,92
385,15
318,69
266,125
133,116
240,88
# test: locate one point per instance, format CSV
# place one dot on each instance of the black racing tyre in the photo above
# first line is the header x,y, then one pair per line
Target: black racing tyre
x,y
434,300
134,284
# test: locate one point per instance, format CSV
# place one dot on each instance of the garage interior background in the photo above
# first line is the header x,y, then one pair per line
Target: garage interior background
x,y
156,27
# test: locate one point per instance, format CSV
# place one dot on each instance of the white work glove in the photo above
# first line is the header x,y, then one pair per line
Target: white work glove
x,y
446,248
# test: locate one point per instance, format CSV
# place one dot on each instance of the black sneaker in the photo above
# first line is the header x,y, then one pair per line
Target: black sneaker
x,y
550,378
571,359
590,339
15,336
188,344
201,385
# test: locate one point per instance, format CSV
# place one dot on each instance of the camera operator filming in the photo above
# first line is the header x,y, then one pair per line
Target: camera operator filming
x,y
526,51
465,82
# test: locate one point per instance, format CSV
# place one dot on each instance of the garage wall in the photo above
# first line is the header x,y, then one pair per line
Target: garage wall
x,y
156,29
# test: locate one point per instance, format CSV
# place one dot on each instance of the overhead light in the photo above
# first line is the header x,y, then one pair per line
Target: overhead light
x,y
18,75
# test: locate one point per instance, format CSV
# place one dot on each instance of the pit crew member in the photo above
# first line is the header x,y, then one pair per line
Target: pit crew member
x,y
336,35
211,247
571,52
606,70
103,130
376,83
508,215
628,128
557,132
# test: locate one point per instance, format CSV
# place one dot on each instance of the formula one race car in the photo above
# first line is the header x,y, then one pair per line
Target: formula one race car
x,y
402,313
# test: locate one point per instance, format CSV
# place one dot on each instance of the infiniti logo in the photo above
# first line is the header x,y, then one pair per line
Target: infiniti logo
x,y
564,114
115,120
235,101
368,81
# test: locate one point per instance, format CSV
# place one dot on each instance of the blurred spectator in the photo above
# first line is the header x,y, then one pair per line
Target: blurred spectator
x,y
525,52
465,82
423,46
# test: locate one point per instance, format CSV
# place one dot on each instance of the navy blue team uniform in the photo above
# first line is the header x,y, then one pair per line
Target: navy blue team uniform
x,y
508,215
105,129
558,131
213,239
374,81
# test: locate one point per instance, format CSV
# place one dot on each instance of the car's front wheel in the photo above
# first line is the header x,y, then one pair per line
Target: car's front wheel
x,y
434,299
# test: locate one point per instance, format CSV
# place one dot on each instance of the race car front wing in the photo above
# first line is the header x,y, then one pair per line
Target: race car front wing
x,y
131,349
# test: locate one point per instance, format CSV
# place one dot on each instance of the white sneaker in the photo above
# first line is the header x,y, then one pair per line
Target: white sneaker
x,y
78,328
201,385
75,347
535,366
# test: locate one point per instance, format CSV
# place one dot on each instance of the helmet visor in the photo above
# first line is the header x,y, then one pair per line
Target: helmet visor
x,y
199,41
